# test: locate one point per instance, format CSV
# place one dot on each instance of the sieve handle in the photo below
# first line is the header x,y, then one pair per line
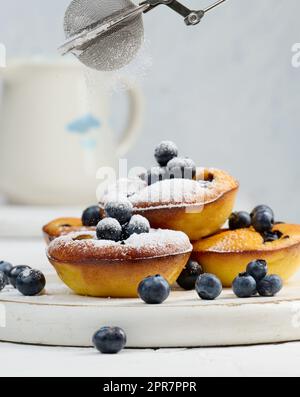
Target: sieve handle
x,y
136,116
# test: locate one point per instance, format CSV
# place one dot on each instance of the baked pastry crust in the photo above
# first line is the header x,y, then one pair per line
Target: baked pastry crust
x,y
63,226
197,207
113,269
228,252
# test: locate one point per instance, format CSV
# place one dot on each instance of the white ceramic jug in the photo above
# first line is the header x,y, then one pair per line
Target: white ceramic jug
x,y
55,132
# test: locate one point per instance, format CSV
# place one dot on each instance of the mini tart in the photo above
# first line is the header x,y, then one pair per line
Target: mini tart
x,y
62,226
103,268
227,253
197,207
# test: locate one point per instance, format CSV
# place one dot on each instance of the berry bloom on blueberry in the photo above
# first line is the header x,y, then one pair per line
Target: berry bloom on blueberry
x,y
244,286
154,290
15,271
208,286
257,269
110,340
270,285
30,282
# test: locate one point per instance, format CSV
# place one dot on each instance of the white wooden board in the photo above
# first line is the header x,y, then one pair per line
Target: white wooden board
x,y
61,318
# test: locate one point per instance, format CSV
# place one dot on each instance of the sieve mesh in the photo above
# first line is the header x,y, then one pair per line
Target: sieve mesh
x,y
113,49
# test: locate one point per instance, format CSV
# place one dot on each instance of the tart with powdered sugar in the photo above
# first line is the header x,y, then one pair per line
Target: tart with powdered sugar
x,y
198,206
104,268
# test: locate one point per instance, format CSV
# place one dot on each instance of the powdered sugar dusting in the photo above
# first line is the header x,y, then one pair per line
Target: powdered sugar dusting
x,y
124,188
138,246
174,191
27,272
210,184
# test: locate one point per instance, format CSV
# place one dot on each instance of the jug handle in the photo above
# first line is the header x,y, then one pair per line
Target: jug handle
x,y
135,121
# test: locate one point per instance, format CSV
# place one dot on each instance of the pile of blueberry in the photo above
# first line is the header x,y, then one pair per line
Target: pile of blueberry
x,y
261,218
119,222
170,165
256,281
156,290
27,281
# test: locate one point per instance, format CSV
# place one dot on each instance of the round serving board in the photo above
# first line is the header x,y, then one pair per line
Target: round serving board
x,y
60,317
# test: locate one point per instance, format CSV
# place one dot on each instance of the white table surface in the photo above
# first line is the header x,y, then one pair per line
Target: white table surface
x,y
22,360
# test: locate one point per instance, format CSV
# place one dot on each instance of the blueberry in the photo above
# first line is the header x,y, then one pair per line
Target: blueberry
x,y
257,269
15,271
239,220
3,280
119,210
262,221
109,229
208,286
188,277
181,168
154,290
165,152
270,285
244,286
155,174
91,216
110,340
262,208
269,237
137,225
30,282
5,267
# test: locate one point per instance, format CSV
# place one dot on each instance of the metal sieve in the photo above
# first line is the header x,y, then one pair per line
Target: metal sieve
x,y
107,34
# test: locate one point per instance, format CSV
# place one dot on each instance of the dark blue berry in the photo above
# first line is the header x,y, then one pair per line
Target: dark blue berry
x,y
257,269
155,174
269,237
6,267
189,275
110,340
30,282
244,286
91,216
239,220
109,229
3,280
262,208
137,225
263,221
269,286
15,271
154,290
181,168
119,210
208,286
165,152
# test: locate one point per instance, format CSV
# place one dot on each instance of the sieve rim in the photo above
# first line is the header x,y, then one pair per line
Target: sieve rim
x,y
82,38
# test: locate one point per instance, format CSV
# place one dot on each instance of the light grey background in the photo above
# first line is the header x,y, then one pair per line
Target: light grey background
x,y
225,90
